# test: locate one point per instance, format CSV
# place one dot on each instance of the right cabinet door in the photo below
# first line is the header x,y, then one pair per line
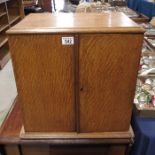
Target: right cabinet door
x,y
108,65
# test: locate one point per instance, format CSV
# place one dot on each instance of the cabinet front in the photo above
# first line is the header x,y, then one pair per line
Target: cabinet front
x,y
108,65
44,75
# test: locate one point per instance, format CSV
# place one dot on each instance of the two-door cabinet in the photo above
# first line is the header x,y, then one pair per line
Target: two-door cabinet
x,y
76,73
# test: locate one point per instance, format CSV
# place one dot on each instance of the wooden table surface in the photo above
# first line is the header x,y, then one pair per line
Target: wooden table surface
x,y
11,128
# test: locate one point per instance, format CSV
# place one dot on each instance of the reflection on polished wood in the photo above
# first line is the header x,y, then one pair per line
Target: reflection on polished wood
x,y
69,23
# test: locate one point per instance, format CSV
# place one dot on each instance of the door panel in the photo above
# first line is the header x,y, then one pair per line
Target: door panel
x,y
45,82
108,70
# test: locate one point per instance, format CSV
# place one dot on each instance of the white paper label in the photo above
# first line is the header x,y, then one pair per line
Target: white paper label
x,y
67,40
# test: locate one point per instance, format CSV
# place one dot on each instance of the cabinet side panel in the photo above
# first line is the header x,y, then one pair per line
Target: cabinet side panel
x,y
108,72
44,75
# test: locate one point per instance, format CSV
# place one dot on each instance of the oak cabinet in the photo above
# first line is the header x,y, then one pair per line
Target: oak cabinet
x,y
76,72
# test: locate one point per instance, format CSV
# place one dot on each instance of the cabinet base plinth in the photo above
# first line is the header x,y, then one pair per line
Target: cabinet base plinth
x,y
73,135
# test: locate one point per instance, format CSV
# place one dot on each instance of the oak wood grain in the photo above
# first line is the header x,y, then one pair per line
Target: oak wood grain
x,y
45,82
85,87
108,73
71,23
10,134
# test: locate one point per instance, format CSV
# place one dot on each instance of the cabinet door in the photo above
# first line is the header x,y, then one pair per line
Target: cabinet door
x,y
108,66
44,75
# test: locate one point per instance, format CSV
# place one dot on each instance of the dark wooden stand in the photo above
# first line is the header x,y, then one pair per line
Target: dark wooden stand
x,y
108,145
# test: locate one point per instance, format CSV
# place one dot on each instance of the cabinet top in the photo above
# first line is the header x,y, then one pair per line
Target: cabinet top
x,y
116,22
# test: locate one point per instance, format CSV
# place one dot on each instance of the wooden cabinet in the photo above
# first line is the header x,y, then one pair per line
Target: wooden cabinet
x,y
11,12
76,72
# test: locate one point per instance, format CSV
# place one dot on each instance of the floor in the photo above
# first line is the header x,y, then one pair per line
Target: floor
x,y
8,90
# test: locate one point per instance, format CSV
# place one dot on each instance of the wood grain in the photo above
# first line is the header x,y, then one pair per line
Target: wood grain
x,y
35,149
74,150
10,134
108,73
89,150
85,87
12,149
45,82
13,123
71,23
8,9
73,135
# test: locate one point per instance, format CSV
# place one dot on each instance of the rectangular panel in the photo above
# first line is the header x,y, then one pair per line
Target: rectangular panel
x,y
44,76
12,149
79,150
74,150
108,71
89,150
35,150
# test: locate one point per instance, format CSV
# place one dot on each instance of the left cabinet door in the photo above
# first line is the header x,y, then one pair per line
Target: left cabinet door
x,y
45,81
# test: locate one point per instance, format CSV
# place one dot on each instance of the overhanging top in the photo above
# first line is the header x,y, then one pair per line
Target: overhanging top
x,y
116,22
